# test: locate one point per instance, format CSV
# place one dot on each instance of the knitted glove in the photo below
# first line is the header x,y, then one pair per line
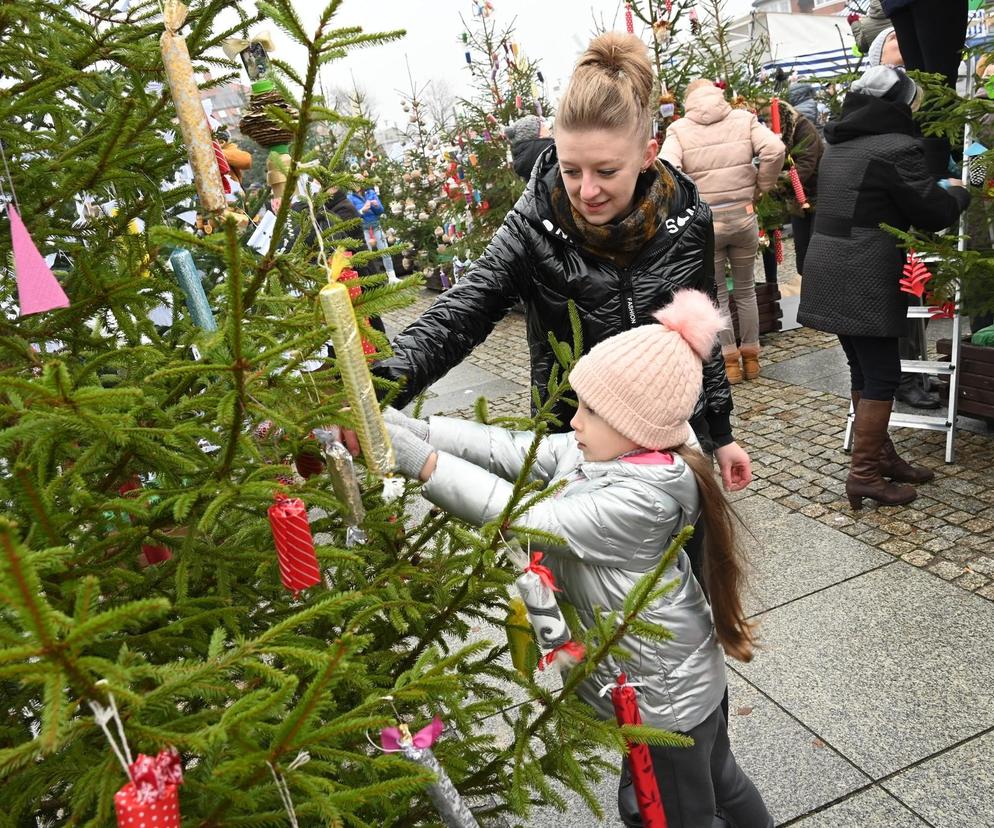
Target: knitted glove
x,y
411,453
419,428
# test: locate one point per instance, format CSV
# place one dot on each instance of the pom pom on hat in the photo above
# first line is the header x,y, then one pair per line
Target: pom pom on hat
x,y
692,315
645,382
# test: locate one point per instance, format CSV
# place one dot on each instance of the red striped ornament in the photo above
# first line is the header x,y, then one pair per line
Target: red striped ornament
x,y
626,710
778,245
294,543
799,195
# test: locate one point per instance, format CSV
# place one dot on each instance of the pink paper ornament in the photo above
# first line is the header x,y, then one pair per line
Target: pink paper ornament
x,y
37,288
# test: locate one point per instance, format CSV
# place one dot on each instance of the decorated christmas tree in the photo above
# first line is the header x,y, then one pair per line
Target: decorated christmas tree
x,y
419,209
507,84
208,610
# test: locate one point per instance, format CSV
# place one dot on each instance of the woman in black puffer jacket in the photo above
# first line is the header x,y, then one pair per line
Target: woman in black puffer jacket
x,y
872,173
601,222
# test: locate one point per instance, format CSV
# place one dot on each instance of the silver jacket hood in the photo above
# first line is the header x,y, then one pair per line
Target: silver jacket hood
x,y
617,518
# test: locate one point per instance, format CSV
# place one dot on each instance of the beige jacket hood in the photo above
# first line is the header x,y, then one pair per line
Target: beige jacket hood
x,y
716,146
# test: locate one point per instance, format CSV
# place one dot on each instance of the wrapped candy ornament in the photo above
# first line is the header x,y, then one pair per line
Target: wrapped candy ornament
x,y
626,710
777,235
189,109
451,807
294,543
370,429
799,195
520,641
537,587
344,483
193,289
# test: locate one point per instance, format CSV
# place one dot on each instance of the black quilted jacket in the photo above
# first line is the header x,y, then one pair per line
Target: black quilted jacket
x,y
873,172
532,260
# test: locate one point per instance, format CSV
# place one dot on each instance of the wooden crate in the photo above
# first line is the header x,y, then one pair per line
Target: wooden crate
x,y
768,302
976,379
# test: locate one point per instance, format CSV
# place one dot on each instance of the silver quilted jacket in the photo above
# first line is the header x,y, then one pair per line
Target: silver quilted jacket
x,y
617,518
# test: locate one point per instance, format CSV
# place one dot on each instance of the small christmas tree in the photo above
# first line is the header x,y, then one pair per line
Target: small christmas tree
x,y
145,437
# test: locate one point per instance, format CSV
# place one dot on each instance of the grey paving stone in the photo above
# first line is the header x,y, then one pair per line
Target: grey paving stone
x,y
887,667
792,555
872,808
464,397
803,369
953,789
766,742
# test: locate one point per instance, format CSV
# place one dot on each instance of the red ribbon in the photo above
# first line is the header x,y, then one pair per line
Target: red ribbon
x,y
544,573
574,649
152,775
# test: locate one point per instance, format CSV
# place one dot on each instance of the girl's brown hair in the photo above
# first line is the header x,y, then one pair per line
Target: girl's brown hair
x,y
723,561
610,88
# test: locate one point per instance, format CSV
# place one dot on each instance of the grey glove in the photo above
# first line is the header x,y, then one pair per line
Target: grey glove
x,y
411,453
419,428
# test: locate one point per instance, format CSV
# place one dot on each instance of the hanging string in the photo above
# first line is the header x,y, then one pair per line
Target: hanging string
x,y
10,181
102,715
284,790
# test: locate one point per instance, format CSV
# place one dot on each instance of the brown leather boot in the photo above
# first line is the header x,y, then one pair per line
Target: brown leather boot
x,y
865,479
733,368
894,466
750,362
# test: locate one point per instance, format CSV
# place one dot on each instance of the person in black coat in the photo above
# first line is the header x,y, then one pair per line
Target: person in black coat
x,y
601,222
873,172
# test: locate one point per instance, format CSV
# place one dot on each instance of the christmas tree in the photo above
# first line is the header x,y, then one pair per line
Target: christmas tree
x,y
146,433
506,85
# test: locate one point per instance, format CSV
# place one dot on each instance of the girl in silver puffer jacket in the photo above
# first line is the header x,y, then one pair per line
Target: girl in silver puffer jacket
x,y
634,480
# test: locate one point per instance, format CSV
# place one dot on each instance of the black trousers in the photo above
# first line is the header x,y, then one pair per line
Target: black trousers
x,y
874,365
769,264
694,781
931,35
801,227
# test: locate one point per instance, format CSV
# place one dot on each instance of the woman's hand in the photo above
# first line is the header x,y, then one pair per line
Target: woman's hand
x,y
735,466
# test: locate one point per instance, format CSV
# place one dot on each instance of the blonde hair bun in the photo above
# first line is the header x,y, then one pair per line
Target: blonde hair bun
x,y
611,87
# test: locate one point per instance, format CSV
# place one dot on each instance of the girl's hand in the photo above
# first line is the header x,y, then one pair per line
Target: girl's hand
x,y
735,466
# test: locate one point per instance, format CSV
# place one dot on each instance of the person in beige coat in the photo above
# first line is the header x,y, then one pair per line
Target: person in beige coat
x,y
716,146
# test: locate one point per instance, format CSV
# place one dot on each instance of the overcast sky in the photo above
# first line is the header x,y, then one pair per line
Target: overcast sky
x,y
552,32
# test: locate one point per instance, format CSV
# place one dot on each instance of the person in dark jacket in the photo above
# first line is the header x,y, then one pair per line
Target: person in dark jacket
x,y
529,137
602,222
873,172
931,34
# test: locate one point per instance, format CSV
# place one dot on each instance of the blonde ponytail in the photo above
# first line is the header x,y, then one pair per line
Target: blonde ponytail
x,y
611,87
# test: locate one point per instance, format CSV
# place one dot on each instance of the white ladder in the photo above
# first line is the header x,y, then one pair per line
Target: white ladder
x,y
934,422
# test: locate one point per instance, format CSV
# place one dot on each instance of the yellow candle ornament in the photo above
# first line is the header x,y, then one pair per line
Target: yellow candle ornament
x,y
189,109
370,429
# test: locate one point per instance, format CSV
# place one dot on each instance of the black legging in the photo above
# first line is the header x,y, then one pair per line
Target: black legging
x,y
874,365
931,34
801,227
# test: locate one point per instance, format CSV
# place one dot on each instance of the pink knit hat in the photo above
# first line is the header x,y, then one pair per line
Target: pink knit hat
x,y
645,382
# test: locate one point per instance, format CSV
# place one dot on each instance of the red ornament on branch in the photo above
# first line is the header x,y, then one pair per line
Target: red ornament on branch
x,y
626,710
775,115
799,195
778,245
629,23
916,275
151,798
294,543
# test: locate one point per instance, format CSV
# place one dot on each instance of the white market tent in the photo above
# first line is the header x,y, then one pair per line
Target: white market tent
x,y
812,45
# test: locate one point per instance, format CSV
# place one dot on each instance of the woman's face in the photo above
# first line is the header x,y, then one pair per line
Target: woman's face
x,y
600,168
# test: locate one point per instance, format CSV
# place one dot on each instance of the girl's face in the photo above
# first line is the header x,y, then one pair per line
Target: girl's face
x,y
600,168
597,440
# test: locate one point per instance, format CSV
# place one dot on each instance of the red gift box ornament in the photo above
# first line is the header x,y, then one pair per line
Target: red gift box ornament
x,y
294,543
150,799
626,710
